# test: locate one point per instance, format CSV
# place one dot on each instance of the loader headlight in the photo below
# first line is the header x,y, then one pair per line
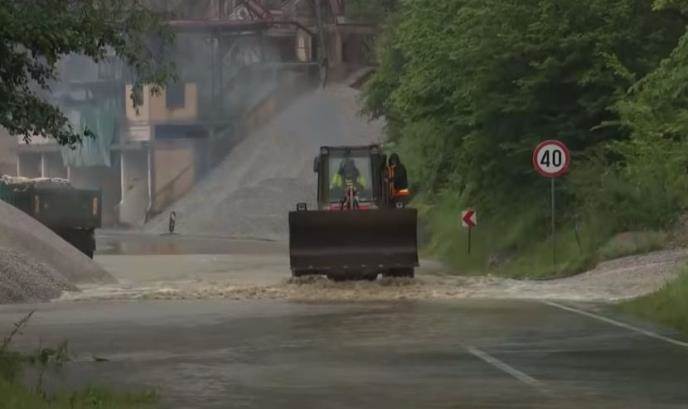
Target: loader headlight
x,y
301,207
324,151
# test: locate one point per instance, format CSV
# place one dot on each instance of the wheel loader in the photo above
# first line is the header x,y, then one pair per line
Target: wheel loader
x,y
362,226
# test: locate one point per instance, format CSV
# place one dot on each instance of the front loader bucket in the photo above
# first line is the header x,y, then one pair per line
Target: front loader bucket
x,y
353,241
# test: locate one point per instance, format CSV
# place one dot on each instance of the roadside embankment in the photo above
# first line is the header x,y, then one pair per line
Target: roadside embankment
x,y
36,264
668,306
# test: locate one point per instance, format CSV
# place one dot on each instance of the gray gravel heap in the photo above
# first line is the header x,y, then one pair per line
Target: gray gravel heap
x,y
36,264
26,280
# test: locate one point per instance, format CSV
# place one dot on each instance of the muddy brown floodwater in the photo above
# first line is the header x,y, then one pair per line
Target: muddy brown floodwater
x,y
174,267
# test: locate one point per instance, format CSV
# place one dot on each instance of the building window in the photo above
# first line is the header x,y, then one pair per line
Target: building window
x,y
175,96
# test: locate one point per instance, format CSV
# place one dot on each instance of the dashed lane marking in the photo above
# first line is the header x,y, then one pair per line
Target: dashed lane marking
x,y
618,324
520,376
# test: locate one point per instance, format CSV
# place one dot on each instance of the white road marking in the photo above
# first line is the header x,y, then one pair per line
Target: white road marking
x,y
528,380
618,324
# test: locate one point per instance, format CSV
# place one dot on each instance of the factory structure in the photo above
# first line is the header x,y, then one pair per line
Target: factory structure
x,y
238,63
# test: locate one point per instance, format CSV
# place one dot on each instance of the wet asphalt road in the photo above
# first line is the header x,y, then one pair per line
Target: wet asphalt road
x,y
321,355
267,354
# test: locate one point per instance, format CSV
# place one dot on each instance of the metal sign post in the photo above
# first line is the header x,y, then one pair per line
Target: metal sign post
x,y
552,159
554,225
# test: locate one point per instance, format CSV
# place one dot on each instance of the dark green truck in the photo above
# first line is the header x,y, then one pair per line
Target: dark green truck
x,y
72,213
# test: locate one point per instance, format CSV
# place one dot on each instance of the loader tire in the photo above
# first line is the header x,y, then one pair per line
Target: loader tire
x,y
401,272
370,277
303,273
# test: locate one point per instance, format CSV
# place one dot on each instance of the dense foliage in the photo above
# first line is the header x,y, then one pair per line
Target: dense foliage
x,y
470,86
35,35
373,11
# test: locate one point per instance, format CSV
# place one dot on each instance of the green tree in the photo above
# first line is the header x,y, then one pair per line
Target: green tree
x,y
492,77
468,88
651,166
370,10
35,35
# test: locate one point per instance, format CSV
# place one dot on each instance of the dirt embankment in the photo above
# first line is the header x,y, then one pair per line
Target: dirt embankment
x,y
36,264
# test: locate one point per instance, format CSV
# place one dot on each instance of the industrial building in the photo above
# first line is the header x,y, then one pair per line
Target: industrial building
x,y
238,63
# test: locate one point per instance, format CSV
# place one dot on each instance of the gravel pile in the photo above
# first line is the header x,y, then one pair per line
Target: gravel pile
x,y
250,194
36,264
26,280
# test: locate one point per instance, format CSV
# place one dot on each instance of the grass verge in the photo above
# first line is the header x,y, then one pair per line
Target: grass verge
x,y
518,244
668,306
15,394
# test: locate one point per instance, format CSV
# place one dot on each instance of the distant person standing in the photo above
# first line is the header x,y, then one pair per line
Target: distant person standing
x,y
173,221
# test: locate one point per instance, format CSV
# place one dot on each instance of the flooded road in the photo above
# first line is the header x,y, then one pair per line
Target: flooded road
x,y
273,354
217,323
113,242
187,267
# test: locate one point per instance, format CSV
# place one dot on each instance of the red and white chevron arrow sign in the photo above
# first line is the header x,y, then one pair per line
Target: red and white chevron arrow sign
x,y
469,218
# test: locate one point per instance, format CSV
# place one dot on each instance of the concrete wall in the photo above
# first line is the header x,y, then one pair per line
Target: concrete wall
x,y
134,180
335,49
53,166
106,179
30,165
175,170
153,108
304,46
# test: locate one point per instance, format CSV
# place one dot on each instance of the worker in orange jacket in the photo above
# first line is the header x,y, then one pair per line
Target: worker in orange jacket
x,y
397,179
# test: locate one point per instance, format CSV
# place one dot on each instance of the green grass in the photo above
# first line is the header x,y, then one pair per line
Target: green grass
x,y
519,245
15,396
669,306
516,245
537,261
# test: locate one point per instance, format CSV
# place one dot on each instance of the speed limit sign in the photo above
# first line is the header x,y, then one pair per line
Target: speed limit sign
x,y
551,159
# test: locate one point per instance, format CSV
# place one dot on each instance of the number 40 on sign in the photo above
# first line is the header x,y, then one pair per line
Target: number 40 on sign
x,y
551,159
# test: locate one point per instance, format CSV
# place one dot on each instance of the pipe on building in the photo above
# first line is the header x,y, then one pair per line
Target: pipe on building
x,y
151,181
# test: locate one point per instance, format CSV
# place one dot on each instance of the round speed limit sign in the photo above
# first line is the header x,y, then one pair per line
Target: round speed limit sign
x,y
551,159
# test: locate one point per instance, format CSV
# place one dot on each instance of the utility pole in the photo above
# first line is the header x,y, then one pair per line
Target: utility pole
x,y
322,50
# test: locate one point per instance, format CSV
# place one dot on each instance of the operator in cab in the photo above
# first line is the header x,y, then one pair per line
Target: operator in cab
x,y
348,171
398,180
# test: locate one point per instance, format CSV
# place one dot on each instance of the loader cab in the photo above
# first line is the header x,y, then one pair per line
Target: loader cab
x,y
337,167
